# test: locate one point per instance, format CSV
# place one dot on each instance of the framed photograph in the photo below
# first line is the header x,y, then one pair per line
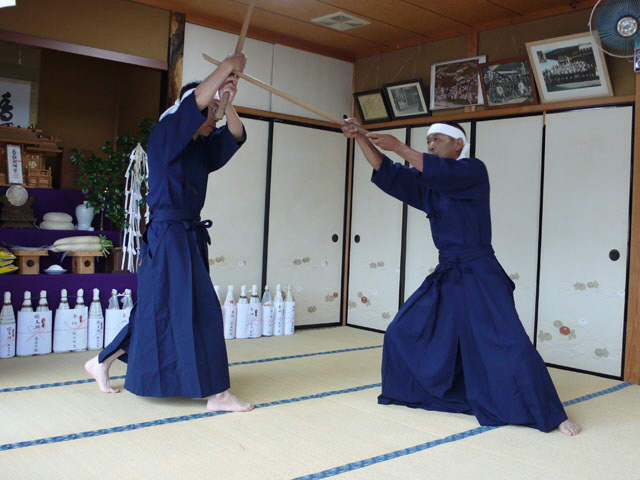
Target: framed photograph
x,y
407,99
508,82
456,83
569,68
372,106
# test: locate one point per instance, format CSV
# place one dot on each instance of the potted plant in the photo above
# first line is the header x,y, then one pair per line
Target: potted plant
x,y
102,178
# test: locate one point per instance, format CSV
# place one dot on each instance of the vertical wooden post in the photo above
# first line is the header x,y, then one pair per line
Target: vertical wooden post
x,y
472,51
632,350
176,54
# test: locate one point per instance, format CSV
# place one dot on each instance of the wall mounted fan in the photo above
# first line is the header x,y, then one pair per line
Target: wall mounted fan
x,y
615,26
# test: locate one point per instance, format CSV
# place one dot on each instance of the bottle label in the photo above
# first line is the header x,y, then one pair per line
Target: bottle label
x,y
255,320
7,340
114,321
289,317
70,330
268,314
34,335
229,317
278,321
243,320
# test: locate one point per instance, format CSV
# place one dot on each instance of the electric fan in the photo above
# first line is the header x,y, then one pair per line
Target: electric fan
x,y
615,26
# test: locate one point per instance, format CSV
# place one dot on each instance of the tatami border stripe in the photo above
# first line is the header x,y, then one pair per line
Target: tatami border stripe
x,y
169,420
441,441
233,364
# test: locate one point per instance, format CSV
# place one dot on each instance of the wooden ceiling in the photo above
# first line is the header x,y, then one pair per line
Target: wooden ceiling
x,y
393,23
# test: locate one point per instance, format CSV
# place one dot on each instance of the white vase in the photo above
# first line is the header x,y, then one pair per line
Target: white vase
x,y
84,215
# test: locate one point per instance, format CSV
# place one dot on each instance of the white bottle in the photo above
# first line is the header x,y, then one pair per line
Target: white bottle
x,y
113,300
243,321
229,315
27,306
289,312
255,314
45,335
62,325
127,300
278,308
95,332
7,328
216,288
64,303
80,324
267,313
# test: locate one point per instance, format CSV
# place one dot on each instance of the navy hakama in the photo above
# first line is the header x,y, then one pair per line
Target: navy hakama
x,y
174,342
457,344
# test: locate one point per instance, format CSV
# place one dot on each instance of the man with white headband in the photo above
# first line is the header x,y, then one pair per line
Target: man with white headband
x,y
457,344
174,344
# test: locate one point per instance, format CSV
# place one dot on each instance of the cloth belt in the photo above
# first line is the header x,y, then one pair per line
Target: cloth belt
x,y
189,218
453,260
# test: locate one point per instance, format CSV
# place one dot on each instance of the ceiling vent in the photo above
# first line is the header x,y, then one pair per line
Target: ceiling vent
x,y
340,21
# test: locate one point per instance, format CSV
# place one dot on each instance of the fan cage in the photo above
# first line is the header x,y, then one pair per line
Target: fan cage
x,y
603,26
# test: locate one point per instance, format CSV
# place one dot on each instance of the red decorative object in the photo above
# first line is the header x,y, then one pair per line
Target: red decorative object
x,y
565,330
335,294
364,299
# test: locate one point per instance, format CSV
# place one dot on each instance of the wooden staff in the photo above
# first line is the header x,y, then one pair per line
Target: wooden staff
x,y
239,45
307,106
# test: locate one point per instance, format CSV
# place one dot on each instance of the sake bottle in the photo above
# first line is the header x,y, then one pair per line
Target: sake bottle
x,y
95,332
278,309
267,313
127,300
43,305
113,300
80,326
64,302
62,334
45,343
7,328
255,313
229,315
26,328
289,312
243,320
27,306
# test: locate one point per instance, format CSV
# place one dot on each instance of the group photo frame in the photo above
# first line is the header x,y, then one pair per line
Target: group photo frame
x,y
407,99
456,83
372,106
507,83
568,68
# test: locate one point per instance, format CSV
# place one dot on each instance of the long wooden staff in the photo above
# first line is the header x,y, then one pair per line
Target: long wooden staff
x,y
307,106
239,45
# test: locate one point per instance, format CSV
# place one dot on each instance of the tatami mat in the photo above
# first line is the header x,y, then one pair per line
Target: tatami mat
x,y
316,417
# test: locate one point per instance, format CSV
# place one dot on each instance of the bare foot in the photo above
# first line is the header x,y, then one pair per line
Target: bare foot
x,y
100,372
227,402
569,428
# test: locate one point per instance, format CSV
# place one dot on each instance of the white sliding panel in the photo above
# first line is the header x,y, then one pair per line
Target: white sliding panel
x,y
306,219
585,219
218,45
421,253
235,203
512,151
323,82
376,234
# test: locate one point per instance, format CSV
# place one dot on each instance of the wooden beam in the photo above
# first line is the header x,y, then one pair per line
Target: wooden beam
x,y
176,56
33,41
632,337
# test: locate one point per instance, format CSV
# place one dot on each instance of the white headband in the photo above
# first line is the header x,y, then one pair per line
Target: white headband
x,y
452,132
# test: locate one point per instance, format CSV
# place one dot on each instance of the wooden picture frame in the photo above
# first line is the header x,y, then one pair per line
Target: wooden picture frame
x,y
407,99
568,68
507,83
456,83
372,106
